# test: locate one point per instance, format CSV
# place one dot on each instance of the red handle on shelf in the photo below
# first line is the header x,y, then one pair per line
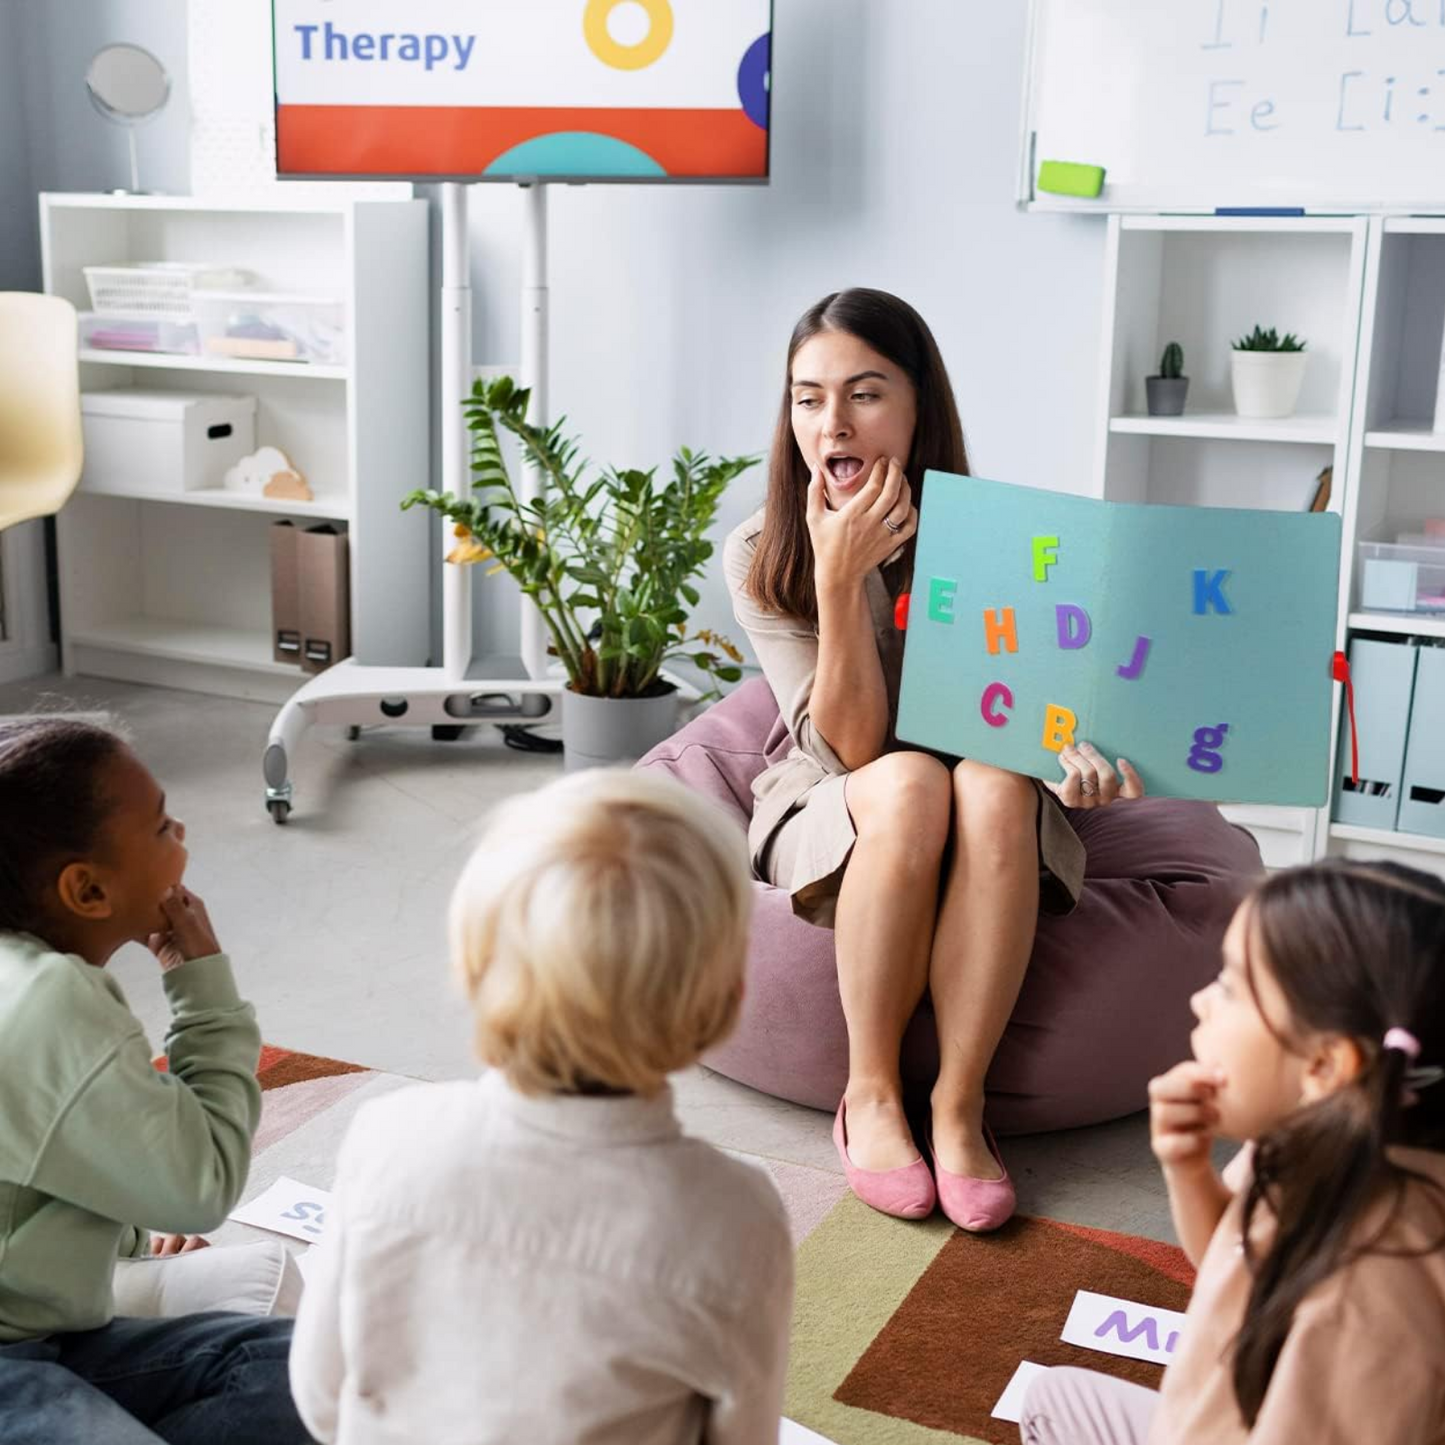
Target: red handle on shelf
x,y
1341,673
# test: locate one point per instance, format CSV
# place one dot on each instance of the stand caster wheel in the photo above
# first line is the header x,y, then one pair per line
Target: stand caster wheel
x,y
279,810
446,732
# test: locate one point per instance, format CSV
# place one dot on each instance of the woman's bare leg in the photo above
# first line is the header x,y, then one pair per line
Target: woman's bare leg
x,y
887,905
981,949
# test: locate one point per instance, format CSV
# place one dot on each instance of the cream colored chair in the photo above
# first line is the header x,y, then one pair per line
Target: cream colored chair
x,y
40,445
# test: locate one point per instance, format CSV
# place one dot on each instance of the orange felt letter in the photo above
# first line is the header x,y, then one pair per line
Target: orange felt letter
x,y
1005,631
1059,725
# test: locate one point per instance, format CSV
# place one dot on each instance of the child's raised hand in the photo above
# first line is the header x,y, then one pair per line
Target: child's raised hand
x,y
188,933
1182,1114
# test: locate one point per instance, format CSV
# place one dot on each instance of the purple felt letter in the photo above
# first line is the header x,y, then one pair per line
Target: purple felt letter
x,y
1131,669
1075,628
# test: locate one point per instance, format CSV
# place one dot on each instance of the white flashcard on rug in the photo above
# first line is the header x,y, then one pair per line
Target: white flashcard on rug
x,y
792,1433
1011,1403
288,1207
1123,1327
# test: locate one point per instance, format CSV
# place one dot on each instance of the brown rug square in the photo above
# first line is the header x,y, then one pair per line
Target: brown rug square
x,y
905,1333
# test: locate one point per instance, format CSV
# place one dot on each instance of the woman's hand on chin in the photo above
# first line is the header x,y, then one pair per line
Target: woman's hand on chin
x,y
1089,781
866,530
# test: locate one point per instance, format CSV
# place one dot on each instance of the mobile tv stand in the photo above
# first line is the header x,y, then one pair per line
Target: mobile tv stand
x,y
463,689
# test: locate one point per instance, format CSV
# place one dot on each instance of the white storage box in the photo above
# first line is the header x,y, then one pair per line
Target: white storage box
x,y
272,326
140,442
1395,578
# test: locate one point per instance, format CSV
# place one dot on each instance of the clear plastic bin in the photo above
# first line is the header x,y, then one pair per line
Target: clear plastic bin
x,y
139,333
1398,578
272,326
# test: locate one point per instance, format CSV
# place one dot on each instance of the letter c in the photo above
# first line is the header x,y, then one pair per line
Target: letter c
x,y
995,693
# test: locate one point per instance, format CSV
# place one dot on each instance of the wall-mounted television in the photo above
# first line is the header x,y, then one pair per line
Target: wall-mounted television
x,y
523,90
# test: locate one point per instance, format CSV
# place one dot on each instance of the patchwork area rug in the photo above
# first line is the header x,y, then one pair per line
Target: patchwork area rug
x,y
908,1333
903,1334
307,1104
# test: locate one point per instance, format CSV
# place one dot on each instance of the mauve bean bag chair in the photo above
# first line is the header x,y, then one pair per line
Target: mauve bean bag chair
x,y
1105,1003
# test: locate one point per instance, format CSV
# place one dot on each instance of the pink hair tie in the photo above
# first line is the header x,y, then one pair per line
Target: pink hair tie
x,y
1405,1041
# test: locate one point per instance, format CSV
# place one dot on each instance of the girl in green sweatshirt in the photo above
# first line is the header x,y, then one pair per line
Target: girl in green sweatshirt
x,y
98,1148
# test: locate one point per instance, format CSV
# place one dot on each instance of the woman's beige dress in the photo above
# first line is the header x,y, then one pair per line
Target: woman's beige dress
x,y
801,832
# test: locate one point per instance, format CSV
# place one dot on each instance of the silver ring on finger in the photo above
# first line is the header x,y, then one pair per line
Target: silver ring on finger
x,y
1087,788
894,527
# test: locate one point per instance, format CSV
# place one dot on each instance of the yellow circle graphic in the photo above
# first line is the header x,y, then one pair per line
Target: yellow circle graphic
x,y
627,57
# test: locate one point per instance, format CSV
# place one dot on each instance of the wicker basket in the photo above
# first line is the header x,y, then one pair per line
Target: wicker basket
x,y
162,289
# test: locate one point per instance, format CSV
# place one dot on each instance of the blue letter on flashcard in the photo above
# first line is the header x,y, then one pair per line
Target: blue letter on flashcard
x,y
1209,592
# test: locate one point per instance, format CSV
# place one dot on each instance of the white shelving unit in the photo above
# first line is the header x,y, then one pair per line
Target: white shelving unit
x,y
1202,281
174,588
1396,463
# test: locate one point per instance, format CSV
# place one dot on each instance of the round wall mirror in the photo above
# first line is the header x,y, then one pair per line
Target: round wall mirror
x,y
129,86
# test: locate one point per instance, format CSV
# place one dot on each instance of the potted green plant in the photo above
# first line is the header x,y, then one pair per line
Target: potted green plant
x,y
608,561
1165,393
1267,373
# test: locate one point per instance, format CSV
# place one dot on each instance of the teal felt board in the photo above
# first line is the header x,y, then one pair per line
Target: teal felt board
x,y
1261,670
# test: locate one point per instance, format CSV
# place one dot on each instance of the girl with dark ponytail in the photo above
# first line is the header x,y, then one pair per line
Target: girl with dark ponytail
x,y
1319,1309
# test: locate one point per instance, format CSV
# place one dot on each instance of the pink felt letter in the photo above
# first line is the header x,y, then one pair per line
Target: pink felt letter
x,y
996,693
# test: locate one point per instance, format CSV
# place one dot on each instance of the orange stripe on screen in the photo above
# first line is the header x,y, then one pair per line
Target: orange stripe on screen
x,y
465,140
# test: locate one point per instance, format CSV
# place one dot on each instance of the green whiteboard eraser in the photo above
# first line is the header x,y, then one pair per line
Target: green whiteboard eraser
x,y
1069,178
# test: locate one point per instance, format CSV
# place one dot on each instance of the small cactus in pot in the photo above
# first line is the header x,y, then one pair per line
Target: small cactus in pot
x,y
1166,391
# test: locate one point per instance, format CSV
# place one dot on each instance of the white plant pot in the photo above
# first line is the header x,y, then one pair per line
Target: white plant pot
x,y
1267,383
598,732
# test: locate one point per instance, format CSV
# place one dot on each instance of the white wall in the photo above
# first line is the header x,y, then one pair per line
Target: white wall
x,y
895,135
895,141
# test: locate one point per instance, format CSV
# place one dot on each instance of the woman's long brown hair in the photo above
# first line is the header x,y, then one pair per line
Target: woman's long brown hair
x,y
781,576
1357,949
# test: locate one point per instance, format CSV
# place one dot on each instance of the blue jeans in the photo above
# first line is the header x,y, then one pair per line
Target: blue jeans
x,y
210,1379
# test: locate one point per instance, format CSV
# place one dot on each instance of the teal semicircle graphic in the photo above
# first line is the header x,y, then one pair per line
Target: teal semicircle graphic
x,y
574,153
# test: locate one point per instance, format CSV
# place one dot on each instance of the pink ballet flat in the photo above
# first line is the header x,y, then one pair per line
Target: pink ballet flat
x,y
905,1193
977,1205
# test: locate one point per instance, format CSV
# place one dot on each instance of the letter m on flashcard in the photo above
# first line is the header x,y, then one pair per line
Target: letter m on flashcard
x,y
1127,1333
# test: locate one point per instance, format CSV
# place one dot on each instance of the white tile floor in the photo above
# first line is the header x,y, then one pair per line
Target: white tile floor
x,y
336,922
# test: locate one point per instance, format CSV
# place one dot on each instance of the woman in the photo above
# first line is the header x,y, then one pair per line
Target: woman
x,y
931,871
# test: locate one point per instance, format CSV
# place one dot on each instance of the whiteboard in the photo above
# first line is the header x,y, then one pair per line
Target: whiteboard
x,y
1330,105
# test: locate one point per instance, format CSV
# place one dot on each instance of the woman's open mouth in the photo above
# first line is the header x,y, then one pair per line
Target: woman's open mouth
x,y
844,469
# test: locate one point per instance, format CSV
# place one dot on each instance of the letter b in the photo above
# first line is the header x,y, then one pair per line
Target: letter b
x,y
1059,725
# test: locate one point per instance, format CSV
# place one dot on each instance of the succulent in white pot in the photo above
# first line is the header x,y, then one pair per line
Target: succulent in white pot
x,y
1267,371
